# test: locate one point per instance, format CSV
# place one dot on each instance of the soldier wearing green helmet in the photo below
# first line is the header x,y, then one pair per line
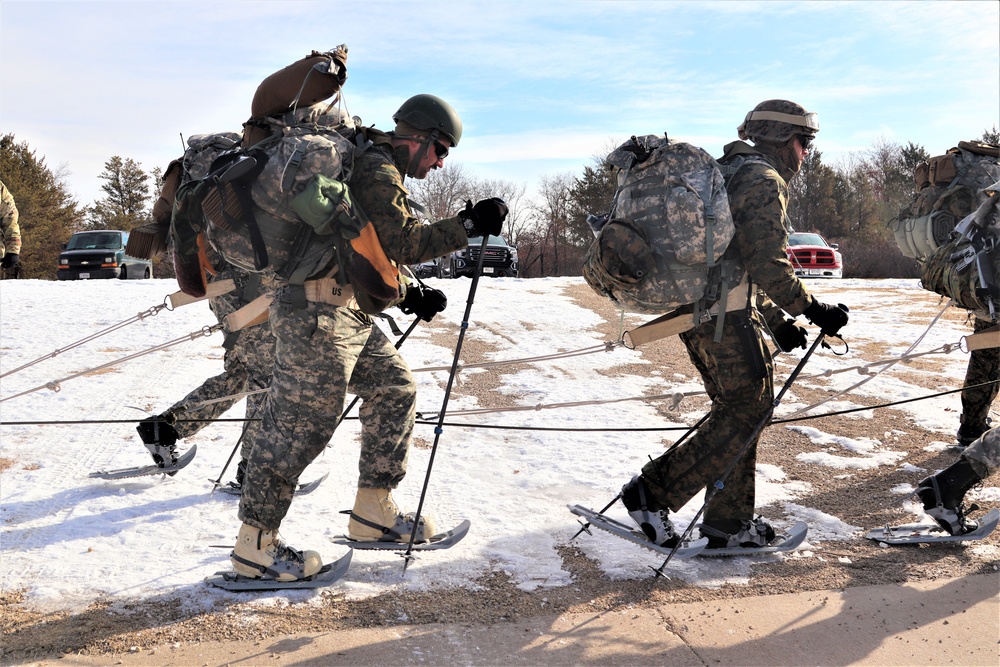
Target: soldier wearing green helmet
x,y
737,369
322,349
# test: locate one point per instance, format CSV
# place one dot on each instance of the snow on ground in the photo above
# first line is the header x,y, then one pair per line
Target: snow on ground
x,y
71,539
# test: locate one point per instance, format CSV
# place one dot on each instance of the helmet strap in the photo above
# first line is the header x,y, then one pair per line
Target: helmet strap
x,y
417,158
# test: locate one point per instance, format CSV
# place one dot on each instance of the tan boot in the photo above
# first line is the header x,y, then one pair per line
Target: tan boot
x,y
376,518
260,553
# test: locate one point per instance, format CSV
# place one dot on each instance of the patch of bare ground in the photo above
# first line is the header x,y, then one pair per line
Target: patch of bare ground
x,y
858,496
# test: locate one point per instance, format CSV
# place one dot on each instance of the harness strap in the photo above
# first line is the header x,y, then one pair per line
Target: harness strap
x,y
214,289
673,323
985,339
325,290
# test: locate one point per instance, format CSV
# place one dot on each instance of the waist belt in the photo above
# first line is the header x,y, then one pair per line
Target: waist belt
x,y
985,339
674,323
324,290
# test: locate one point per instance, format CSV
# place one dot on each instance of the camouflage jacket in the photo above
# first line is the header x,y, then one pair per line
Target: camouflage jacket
x,y
10,231
377,186
758,198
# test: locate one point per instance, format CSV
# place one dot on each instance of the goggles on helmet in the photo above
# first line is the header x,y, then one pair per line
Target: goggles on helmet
x,y
809,121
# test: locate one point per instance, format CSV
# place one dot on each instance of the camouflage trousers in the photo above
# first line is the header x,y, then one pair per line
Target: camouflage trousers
x,y
984,366
738,377
984,453
247,367
323,352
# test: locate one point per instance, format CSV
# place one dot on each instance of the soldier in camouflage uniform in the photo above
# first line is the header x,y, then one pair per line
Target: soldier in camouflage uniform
x,y
943,493
326,350
737,370
247,363
10,234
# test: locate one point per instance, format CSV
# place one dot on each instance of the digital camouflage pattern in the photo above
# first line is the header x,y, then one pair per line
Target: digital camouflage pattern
x,y
247,367
668,225
303,144
941,274
741,396
984,366
737,371
776,122
947,188
986,452
10,231
325,351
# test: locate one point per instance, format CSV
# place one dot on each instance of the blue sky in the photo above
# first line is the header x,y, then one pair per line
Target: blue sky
x,y
543,87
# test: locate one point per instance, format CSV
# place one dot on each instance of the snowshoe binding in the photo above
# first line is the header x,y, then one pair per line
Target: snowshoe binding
x,y
738,533
377,518
160,438
261,554
647,514
942,495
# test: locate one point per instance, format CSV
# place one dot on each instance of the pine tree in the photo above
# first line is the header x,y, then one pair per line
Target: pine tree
x,y
127,202
47,214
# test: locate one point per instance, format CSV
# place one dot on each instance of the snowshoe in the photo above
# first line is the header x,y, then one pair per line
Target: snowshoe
x,y
647,514
261,554
738,533
377,518
160,438
942,495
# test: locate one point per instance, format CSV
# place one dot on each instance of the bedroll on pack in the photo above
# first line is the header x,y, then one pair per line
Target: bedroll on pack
x,y
967,268
661,244
947,188
313,79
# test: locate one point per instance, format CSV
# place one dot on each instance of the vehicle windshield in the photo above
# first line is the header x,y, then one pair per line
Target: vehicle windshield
x,y
95,241
494,240
806,239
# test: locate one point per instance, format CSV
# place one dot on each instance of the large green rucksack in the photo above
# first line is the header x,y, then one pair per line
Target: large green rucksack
x,y
946,189
660,246
966,268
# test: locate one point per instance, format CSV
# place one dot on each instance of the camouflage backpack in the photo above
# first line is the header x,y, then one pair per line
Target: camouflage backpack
x,y
946,189
660,245
966,268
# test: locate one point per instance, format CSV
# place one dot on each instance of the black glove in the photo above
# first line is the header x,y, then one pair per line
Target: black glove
x,y
830,319
10,260
486,217
789,336
423,301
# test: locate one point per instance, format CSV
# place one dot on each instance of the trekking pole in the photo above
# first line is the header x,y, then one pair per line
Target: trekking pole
x,y
216,483
585,525
720,483
438,430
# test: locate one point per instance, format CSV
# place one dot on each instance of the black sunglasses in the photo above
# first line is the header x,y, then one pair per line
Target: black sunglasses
x,y
806,141
440,150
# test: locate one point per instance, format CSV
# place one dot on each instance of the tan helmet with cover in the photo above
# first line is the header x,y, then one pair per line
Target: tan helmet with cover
x,y
777,121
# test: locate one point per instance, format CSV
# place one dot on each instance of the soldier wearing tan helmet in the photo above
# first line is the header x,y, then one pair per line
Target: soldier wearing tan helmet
x,y
737,370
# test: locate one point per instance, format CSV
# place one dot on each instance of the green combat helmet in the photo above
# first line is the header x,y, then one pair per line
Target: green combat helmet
x,y
777,121
430,113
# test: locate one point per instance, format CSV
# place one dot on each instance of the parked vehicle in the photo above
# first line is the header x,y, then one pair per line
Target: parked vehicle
x,y
100,254
500,259
812,257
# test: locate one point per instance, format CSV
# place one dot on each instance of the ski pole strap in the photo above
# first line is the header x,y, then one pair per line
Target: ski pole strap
x,y
988,338
214,289
673,323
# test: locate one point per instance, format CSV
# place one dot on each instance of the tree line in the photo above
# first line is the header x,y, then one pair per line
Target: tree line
x,y
849,203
